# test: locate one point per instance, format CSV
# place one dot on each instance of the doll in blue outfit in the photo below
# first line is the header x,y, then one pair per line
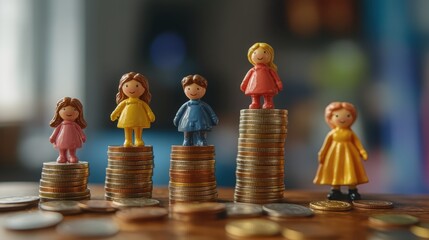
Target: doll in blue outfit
x,y
195,117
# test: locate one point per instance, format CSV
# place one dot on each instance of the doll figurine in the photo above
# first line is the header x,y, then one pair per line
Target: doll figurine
x,y
195,117
68,122
340,156
133,110
262,79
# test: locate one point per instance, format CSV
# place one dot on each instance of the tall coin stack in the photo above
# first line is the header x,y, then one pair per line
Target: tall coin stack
x,y
260,158
129,172
64,181
192,174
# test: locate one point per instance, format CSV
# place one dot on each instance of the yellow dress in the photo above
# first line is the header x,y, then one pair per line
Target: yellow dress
x,y
134,113
341,162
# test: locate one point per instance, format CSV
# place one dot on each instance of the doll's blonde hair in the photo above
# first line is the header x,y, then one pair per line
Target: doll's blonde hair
x,y
334,106
266,47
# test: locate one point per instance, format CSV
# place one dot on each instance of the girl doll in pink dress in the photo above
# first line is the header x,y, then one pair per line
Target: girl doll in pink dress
x,y
262,79
68,122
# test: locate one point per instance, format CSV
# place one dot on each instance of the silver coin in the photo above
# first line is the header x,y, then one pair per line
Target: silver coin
x,y
287,210
19,199
65,207
88,228
32,220
243,210
135,202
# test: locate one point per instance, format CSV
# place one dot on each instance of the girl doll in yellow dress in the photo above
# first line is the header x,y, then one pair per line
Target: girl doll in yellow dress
x,y
340,156
133,110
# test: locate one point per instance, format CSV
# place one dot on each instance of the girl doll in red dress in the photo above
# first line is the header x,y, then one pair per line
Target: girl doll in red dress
x,y
262,79
68,122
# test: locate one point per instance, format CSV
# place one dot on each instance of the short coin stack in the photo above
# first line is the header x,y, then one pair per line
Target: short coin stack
x,y
192,174
64,181
129,172
260,158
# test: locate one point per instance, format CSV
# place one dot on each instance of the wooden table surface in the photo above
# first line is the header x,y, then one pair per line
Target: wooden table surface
x,y
349,225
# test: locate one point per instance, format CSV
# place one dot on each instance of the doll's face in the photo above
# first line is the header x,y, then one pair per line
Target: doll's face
x,y
342,118
261,55
194,91
133,89
69,113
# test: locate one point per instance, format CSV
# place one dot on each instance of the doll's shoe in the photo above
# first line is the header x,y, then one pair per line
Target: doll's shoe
x,y
73,159
61,159
354,195
268,106
254,106
128,143
139,143
335,194
187,142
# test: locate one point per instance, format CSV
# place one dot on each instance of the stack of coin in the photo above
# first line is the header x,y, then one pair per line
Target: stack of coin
x,y
64,181
197,211
192,174
129,172
260,158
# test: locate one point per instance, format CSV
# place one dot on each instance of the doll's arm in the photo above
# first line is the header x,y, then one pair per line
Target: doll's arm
x,y
149,112
359,147
211,113
324,149
54,135
118,110
246,79
179,114
80,131
276,78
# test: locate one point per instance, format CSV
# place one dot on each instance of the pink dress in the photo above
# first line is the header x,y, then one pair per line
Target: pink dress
x,y
68,135
261,80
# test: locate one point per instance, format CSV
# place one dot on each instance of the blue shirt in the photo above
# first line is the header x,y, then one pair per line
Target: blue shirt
x,y
195,115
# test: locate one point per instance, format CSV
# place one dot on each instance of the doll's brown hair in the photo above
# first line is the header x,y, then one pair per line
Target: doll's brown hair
x,y
198,79
146,96
64,102
329,111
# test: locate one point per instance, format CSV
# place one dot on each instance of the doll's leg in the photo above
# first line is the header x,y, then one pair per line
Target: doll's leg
x,y
268,102
128,137
353,193
202,138
62,158
335,193
255,102
138,141
73,158
187,139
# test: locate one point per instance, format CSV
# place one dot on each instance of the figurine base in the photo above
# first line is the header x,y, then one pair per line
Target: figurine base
x,y
129,172
260,158
192,174
64,181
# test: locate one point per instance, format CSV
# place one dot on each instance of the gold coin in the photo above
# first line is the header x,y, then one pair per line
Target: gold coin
x,y
392,220
372,204
66,171
140,177
128,190
129,195
147,148
136,202
55,165
309,231
46,183
78,198
126,155
142,214
63,189
126,171
97,206
64,177
264,111
421,230
127,159
130,163
274,122
127,185
193,148
189,157
252,228
192,193
199,184
262,131
197,208
261,145
331,205
63,195
64,207
257,201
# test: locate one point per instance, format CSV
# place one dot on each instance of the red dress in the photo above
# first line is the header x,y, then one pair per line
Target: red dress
x,y
261,80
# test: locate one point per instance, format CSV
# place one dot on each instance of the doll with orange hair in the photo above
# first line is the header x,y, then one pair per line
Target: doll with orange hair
x,y
68,122
262,79
133,109
340,156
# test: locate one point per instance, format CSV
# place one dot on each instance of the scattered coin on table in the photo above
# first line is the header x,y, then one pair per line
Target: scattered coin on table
x,y
243,210
64,207
285,210
135,202
97,206
331,205
252,228
197,211
421,230
372,204
95,227
142,214
32,220
392,220
308,231
14,207
19,199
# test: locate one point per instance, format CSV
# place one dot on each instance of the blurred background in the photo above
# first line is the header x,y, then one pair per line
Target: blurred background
x,y
374,54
